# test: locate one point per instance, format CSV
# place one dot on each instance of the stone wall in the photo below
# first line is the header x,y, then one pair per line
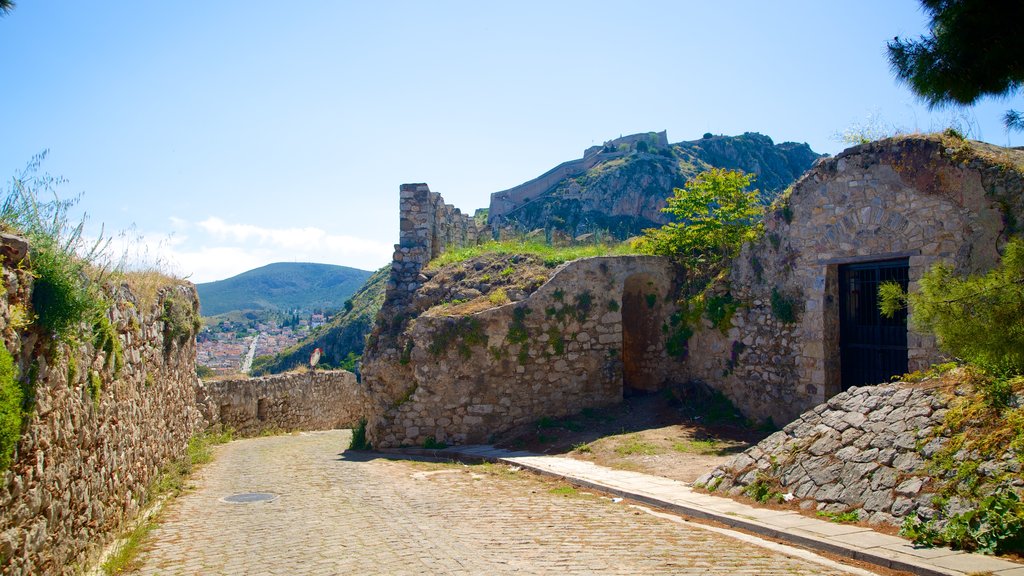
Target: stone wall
x,y
862,450
596,326
928,199
427,227
885,452
100,427
301,400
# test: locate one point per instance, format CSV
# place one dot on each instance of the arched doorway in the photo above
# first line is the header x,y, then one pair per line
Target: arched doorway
x,y
641,309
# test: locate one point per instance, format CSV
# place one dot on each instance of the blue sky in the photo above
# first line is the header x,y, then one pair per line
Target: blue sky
x,y
234,134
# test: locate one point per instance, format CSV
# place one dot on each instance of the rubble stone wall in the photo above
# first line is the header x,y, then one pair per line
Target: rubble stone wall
x,y
593,328
101,425
293,401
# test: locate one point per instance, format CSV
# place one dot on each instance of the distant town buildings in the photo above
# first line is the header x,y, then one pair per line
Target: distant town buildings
x,y
221,346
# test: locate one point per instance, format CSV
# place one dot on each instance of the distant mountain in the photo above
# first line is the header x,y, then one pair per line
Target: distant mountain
x,y
620,188
342,339
282,286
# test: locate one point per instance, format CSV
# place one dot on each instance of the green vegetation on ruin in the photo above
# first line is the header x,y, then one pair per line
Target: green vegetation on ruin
x,y
551,255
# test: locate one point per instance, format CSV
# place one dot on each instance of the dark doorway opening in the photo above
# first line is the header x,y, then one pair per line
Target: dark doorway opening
x,y
641,307
873,348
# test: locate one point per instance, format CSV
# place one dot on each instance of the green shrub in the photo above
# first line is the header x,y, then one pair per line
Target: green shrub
x,y
11,398
431,443
719,310
359,441
763,490
68,268
180,318
95,386
105,339
714,215
979,318
783,307
994,526
61,295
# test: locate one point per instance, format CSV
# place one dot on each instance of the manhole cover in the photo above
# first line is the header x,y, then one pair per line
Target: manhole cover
x,y
250,497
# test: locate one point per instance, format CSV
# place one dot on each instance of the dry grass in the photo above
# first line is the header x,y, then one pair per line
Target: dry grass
x,y
147,284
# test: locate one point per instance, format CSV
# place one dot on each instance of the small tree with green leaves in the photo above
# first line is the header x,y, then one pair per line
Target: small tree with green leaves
x,y
714,215
979,318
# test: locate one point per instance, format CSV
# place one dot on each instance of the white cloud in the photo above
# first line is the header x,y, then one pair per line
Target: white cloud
x,y
216,249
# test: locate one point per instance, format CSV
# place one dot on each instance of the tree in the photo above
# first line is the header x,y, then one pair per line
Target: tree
x,y
714,215
979,318
6,6
974,49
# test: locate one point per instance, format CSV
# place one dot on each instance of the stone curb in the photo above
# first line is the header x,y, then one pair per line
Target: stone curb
x,y
876,548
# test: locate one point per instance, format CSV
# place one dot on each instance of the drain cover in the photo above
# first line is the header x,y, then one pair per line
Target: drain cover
x,y
250,497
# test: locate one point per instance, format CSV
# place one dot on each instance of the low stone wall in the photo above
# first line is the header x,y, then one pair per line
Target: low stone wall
x,y
596,326
103,423
293,401
863,450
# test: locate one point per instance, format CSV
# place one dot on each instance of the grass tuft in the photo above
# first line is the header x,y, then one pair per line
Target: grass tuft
x,y
126,559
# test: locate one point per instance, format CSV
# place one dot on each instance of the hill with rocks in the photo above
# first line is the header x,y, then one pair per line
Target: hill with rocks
x,y
620,189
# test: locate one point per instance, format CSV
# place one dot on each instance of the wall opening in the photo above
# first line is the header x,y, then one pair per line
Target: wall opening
x,y
872,348
261,409
641,306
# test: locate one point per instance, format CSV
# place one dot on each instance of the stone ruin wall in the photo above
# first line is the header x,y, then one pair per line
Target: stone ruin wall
x,y
568,346
83,465
302,400
427,227
926,199
894,198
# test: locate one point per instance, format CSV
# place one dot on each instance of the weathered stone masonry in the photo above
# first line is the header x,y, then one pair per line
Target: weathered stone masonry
x,y
83,463
293,401
594,328
926,199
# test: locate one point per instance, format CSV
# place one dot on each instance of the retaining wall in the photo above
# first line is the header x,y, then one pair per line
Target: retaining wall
x,y
97,433
301,400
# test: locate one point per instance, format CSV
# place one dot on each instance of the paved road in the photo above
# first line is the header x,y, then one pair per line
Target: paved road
x,y
342,514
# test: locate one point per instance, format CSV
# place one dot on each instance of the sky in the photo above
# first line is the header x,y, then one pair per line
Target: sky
x,y
228,135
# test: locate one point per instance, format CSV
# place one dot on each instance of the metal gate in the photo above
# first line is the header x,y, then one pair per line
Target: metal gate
x,y
873,348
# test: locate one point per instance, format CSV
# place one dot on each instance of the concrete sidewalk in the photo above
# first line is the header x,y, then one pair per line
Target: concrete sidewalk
x,y
846,540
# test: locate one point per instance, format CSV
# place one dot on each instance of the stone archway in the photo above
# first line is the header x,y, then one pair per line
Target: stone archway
x,y
641,309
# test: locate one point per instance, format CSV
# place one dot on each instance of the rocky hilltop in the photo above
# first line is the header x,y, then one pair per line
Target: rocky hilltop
x,y
620,188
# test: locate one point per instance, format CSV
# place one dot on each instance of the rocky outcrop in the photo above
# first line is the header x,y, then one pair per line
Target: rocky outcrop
x,y
304,400
108,413
622,193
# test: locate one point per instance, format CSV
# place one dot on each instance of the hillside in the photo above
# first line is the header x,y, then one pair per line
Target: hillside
x,y
282,286
345,334
625,193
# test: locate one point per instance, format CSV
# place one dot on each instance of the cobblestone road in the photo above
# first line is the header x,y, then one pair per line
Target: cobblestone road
x,y
342,514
